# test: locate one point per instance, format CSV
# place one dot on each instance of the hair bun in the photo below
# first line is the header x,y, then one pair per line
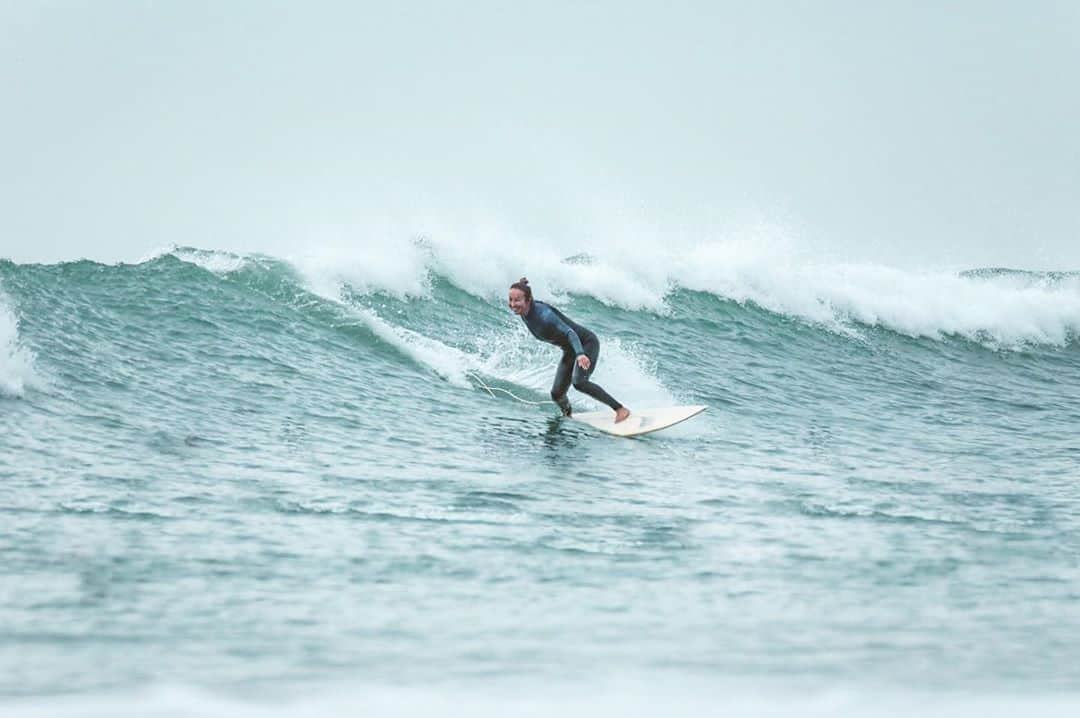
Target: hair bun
x,y
523,280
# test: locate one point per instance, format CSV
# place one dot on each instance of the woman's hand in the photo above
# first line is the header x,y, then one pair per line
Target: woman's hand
x,y
583,362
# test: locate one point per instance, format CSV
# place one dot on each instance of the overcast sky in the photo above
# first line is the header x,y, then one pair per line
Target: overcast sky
x,y
919,132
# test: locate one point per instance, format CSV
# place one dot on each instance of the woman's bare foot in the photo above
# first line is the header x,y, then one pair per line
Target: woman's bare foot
x,y
621,413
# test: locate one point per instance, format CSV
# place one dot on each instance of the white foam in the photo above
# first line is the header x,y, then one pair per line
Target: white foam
x,y
220,263
759,264
635,265
404,270
16,361
391,263
519,359
446,361
933,304
216,261
627,375
482,260
620,369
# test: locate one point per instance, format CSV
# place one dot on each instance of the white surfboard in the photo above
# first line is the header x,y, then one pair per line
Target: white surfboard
x,y
641,421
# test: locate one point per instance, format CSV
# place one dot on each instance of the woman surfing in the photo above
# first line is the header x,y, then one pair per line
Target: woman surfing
x,y
580,348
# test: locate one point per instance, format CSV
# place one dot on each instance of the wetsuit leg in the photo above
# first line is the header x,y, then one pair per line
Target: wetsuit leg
x,y
562,382
581,377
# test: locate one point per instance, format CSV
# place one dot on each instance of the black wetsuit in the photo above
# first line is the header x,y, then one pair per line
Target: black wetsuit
x,y
550,325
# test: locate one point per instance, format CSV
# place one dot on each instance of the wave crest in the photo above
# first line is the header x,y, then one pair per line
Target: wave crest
x,y
994,307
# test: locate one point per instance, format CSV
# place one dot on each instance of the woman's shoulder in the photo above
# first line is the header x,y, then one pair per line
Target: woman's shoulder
x,y
551,314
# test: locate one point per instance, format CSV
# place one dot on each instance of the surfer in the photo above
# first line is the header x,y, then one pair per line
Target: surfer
x,y
580,348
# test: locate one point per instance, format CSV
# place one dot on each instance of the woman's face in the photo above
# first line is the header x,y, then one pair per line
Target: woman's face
x,y
519,305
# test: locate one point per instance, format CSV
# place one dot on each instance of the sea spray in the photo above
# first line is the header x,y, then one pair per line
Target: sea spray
x,y
16,360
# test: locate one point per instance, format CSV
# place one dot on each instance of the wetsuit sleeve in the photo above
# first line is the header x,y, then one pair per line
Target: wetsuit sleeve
x,y
563,328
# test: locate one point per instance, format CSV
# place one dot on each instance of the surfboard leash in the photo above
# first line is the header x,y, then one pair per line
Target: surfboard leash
x,y
492,389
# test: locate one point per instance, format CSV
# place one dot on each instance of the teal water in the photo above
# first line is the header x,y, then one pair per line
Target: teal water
x,y
222,480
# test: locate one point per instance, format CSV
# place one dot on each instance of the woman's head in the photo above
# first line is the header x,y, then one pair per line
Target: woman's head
x,y
520,297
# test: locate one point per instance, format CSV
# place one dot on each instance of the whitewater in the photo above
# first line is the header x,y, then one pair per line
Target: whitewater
x,y
243,483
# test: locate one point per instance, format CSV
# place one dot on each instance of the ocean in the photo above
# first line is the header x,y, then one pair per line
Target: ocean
x,y
245,484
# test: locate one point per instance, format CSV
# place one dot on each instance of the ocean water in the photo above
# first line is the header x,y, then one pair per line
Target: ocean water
x,y
257,485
